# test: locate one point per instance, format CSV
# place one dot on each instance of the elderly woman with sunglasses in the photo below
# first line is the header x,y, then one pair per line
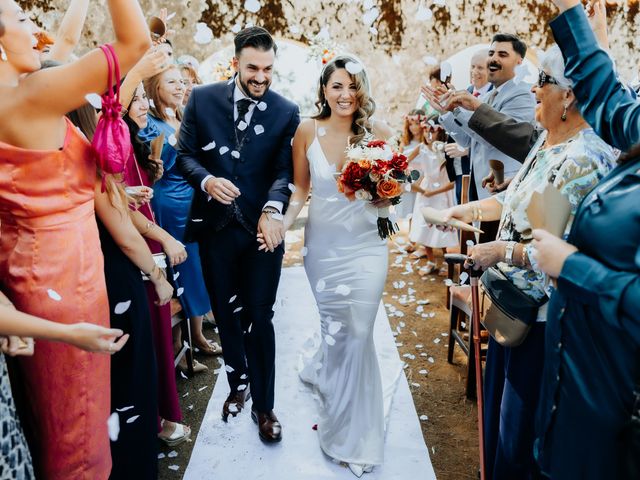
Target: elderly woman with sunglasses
x,y
567,154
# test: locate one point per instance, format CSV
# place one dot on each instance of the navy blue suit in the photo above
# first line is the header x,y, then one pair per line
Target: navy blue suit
x,y
241,281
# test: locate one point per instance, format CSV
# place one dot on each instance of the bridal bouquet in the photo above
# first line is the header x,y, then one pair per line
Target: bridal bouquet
x,y
376,171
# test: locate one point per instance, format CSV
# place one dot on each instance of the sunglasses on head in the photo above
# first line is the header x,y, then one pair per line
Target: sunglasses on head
x,y
543,78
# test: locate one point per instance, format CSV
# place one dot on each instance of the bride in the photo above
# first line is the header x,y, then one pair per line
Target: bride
x,y
346,264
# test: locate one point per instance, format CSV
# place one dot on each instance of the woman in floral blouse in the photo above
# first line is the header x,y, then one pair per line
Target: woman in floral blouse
x,y
571,157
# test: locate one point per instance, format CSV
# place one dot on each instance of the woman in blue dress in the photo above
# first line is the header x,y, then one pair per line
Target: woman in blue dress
x,y
172,200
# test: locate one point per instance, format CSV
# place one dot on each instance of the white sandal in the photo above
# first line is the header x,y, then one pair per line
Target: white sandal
x,y
180,434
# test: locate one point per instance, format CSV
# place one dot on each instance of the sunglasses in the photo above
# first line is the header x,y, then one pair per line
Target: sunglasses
x,y
543,78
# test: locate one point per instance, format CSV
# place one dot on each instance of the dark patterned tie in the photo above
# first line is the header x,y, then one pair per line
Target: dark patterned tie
x,y
243,108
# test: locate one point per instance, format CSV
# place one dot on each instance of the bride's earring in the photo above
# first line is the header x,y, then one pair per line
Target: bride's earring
x,y
3,55
564,113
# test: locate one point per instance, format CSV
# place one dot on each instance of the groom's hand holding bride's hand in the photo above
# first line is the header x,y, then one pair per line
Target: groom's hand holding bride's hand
x,y
434,96
222,190
270,230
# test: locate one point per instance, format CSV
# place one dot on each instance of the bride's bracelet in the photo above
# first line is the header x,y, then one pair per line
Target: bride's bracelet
x,y
157,273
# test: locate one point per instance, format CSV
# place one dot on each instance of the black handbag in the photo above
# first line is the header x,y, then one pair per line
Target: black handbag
x,y
630,438
506,311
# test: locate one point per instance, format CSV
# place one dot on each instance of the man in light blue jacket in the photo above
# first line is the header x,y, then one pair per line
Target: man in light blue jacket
x,y
509,97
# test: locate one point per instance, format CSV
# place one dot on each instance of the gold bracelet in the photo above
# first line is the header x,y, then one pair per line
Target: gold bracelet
x,y
149,226
525,255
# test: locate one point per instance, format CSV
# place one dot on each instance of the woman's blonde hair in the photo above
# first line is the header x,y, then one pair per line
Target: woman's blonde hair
x,y
156,106
407,136
361,125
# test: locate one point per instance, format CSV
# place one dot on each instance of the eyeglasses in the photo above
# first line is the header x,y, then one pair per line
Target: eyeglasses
x,y
543,78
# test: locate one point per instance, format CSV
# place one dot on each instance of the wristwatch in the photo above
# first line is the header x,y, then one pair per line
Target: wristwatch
x,y
508,252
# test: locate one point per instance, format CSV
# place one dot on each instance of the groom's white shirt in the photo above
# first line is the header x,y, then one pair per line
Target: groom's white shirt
x,y
238,94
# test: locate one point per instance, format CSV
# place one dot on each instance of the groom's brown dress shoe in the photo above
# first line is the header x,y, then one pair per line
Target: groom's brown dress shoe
x,y
269,428
234,403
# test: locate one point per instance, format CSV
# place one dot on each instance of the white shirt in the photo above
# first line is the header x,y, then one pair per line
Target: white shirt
x,y
238,94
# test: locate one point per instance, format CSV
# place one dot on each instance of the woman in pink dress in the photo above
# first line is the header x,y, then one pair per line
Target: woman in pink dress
x,y
50,260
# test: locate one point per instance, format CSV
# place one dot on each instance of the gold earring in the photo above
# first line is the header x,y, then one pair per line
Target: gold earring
x,y
564,113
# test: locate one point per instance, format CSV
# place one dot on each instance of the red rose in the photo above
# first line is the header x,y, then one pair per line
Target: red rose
x,y
351,178
381,167
399,162
376,144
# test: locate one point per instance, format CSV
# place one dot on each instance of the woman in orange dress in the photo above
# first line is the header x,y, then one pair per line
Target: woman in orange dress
x,y
50,259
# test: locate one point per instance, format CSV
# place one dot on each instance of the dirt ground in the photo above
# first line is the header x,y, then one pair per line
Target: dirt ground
x,y
450,431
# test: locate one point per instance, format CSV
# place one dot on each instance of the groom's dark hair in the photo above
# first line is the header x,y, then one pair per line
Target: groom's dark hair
x,y
256,37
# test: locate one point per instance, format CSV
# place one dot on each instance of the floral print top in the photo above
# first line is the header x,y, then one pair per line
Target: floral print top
x,y
574,168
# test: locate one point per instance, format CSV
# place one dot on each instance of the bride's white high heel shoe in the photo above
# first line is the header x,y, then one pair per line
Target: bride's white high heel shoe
x,y
359,470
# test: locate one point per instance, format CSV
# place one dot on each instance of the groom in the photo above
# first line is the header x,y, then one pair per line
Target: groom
x,y
235,150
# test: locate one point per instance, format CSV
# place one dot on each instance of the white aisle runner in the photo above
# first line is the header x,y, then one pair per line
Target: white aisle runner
x,y
224,451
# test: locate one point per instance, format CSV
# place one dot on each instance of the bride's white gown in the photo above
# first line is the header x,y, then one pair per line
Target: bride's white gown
x,y
346,264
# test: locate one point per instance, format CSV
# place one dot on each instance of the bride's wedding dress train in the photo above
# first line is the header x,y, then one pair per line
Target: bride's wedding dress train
x,y
346,264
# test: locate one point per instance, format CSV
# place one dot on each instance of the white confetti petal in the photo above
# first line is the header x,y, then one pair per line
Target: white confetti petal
x,y
152,104
470,243
373,31
233,408
202,388
54,295
133,419
113,426
203,35
445,71
170,112
417,385
209,146
243,376
179,291
242,388
353,67
334,327
292,187
177,274
317,365
235,154
277,216
232,299
304,251
94,100
423,14
175,468
229,368
237,310
343,290
172,140
424,418
320,286
423,372
448,282
195,220
431,360
370,16
236,28
330,340
172,454
436,340
242,125
464,276
122,307
429,60
262,106
161,456
259,129
223,150
322,131
252,5
124,409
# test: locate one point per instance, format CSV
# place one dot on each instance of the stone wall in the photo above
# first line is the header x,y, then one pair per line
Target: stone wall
x,y
392,46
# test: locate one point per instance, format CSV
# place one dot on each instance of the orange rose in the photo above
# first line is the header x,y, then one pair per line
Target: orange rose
x,y
366,164
389,189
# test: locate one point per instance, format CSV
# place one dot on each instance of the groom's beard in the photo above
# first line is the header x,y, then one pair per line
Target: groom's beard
x,y
245,87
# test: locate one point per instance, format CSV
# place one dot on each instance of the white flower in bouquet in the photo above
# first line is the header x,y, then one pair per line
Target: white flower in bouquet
x,y
363,195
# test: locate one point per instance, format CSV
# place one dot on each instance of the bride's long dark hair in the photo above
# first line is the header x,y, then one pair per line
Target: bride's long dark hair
x,y
361,125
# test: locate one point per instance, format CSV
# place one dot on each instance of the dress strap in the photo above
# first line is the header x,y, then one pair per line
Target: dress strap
x,y
315,127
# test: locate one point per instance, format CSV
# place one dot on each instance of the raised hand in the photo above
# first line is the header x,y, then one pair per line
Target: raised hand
x,y
222,190
455,150
459,98
565,4
433,96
